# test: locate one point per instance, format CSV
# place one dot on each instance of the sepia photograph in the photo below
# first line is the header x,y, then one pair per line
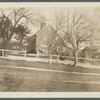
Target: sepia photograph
x,y
48,48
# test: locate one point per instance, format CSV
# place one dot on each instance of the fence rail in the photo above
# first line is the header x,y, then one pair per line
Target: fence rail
x,y
11,50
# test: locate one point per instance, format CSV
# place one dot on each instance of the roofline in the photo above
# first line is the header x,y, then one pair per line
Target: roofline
x,y
40,31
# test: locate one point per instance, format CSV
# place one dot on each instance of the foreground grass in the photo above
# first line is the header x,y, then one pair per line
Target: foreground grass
x,y
21,80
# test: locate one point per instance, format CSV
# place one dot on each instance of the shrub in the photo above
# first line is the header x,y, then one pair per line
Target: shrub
x,y
62,58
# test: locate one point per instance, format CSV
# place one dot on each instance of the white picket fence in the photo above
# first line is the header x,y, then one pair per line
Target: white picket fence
x,y
50,58
4,52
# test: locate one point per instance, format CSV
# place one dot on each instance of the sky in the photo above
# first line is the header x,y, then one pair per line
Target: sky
x,y
48,12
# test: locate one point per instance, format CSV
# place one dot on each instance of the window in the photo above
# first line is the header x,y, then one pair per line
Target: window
x,y
43,47
60,49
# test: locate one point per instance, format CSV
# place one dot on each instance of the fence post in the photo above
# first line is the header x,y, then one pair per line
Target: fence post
x,y
97,62
25,54
50,59
57,58
3,53
37,56
94,62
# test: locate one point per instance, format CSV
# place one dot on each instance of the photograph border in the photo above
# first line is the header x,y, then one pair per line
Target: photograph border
x,y
49,94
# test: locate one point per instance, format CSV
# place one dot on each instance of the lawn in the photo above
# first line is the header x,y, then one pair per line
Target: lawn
x,y
23,80
61,67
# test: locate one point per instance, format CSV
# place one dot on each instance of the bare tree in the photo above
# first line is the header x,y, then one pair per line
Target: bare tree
x,y
95,31
17,16
8,24
57,21
76,29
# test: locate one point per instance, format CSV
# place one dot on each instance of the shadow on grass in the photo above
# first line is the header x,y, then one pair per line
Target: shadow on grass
x,y
42,65
10,83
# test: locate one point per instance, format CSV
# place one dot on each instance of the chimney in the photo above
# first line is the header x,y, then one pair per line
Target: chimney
x,y
43,25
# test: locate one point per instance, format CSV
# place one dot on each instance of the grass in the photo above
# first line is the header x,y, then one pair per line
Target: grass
x,y
60,67
39,81
23,80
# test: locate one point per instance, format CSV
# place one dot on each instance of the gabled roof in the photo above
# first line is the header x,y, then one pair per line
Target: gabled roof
x,y
38,32
49,27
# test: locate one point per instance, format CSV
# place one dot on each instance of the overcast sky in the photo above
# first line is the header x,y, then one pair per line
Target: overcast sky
x,y
48,12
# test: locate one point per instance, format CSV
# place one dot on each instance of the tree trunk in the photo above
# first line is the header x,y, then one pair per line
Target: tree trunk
x,y
20,45
76,58
7,46
4,44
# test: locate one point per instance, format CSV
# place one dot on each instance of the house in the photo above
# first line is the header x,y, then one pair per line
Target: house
x,y
91,53
46,41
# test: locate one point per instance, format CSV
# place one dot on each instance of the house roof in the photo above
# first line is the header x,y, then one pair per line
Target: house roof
x,y
38,32
48,27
